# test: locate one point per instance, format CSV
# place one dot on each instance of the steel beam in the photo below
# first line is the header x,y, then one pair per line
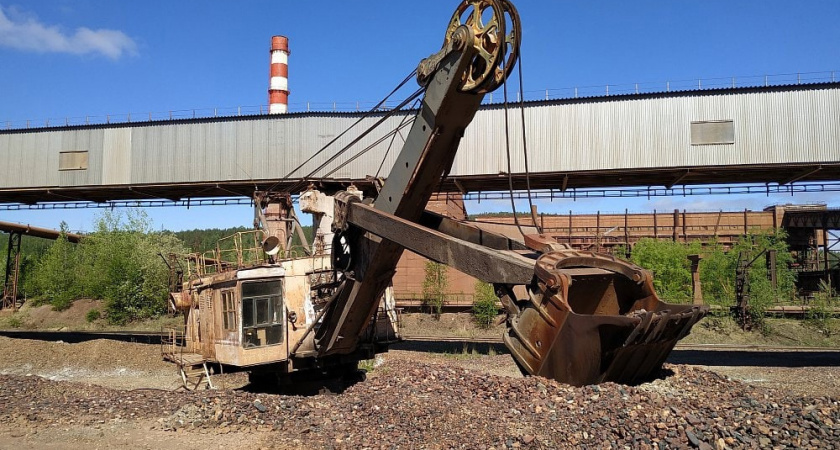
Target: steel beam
x,y
489,264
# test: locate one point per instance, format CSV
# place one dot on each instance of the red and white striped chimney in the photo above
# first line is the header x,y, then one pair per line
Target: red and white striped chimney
x,y
278,86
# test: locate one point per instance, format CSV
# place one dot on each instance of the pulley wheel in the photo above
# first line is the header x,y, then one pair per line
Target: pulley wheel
x,y
486,21
511,45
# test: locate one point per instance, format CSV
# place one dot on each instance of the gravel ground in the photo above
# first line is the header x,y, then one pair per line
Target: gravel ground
x,y
409,400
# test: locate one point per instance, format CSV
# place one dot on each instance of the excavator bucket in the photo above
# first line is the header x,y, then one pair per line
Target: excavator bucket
x,y
592,318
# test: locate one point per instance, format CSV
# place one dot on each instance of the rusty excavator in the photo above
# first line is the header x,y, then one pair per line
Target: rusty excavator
x,y
573,316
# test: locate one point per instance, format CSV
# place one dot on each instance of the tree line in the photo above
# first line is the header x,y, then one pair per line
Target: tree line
x,y
119,262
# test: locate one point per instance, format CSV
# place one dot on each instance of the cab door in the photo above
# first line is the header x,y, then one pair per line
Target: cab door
x,y
206,329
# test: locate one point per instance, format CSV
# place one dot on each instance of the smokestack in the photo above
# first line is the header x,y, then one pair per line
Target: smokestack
x,y
278,87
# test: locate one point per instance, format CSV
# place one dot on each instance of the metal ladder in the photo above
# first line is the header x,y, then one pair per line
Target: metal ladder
x,y
195,375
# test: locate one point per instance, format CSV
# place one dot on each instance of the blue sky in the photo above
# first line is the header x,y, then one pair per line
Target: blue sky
x,y
64,58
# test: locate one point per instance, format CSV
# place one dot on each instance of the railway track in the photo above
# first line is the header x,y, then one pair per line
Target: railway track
x,y
680,346
154,337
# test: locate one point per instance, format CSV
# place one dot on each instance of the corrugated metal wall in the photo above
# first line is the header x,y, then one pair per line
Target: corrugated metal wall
x,y
783,126
770,127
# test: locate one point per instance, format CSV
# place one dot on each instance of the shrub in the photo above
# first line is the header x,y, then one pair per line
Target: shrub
x,y
762,293
119,263
672,271
434,287
93,315
15,322
819,315
57,272
717,276
669,263
484,305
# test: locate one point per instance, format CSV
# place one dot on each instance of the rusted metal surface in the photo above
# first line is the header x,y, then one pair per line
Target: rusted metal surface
x,y
591,318
12,273
543,243
484,263
29,230
585,317
470,232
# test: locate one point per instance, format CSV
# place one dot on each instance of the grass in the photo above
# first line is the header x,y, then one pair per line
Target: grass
x,y
368,365
722,329
470,351
14,322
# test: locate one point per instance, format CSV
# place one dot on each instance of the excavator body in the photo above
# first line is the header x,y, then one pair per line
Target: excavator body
x,y
576,317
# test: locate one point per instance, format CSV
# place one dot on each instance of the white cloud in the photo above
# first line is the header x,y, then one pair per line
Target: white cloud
x,y
28,34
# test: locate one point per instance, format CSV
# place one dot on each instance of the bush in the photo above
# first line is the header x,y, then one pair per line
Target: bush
x,y
93,315
761,292
122,265
669,263
119,263
484,305
15,322
820,311
672,271
56,273
717,276
434,287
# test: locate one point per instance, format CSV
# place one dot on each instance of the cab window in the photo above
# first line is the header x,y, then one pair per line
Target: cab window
x,y
262,313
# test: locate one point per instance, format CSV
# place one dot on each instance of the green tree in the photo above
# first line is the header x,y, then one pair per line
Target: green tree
x,y
669,263
717,276
434,286
55,277
484,305
120,263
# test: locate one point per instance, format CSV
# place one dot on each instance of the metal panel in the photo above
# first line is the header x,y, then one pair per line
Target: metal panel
x,y
73,160
712,132
116,156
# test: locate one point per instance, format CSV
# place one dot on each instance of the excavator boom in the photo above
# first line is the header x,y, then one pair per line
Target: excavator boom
x,y
577,317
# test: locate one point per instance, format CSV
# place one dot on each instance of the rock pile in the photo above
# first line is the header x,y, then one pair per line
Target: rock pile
x,y
406,404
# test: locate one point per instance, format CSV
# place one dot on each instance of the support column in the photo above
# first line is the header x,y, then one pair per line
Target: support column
x,y
598,231
655,227
696,289
10,283
676,225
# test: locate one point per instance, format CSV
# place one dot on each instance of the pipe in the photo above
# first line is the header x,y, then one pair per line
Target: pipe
x,y
29,230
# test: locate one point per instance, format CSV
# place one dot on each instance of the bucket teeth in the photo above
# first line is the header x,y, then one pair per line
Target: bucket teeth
x,y
592,318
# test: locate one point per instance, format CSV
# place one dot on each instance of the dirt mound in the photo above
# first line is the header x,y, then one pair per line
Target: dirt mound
x,y
449,324
43,317
111,363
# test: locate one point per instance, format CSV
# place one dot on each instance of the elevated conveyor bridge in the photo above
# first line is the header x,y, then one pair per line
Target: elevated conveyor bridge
x,y
777,136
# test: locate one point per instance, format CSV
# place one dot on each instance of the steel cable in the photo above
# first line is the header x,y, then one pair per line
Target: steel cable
x,y
347,147
364,116
393,138
509,166
525,145
391,134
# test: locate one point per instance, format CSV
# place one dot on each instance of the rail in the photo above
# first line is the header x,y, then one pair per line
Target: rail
x,y
156,337
537,194
735,82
